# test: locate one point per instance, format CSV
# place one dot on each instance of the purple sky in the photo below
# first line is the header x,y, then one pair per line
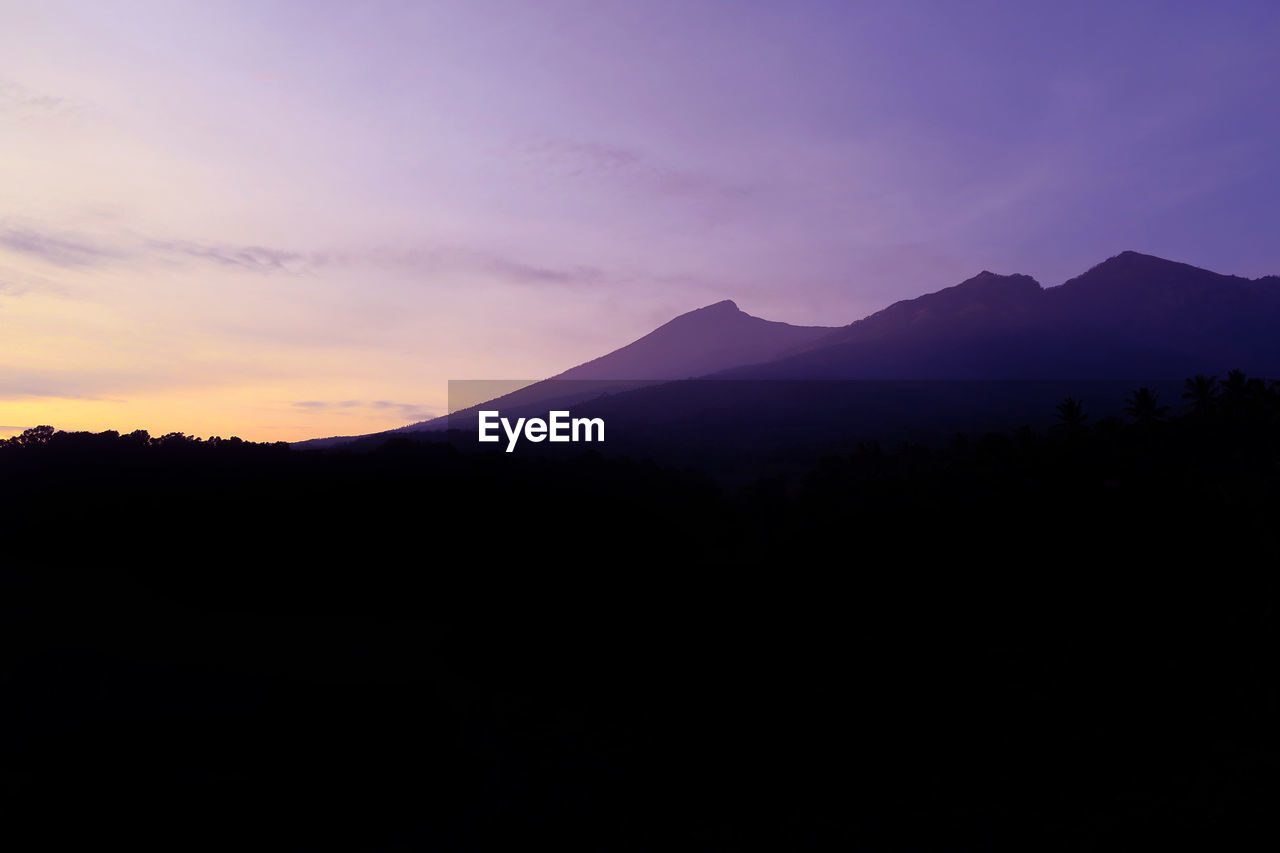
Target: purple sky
x,y
290,219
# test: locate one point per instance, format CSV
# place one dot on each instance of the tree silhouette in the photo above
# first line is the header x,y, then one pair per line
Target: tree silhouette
x,y
1071,416
1202,394
1235,392
35,435
1144,406
139,437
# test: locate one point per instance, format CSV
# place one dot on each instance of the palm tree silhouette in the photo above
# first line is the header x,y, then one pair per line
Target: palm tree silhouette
x,y
1202,393
1234,389
1071,416
1144,406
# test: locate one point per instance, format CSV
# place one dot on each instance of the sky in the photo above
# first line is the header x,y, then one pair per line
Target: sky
x,y
285,220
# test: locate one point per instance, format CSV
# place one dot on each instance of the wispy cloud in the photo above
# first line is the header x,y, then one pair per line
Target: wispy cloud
x,y
70,250
584,159
374,409
525,273
261,259
24,102
10,287
61,249
409,411
14,283
437,261
321,404
17,385
113,383
607,162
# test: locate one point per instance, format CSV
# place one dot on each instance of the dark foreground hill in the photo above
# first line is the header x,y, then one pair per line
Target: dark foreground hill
x,y
1052,641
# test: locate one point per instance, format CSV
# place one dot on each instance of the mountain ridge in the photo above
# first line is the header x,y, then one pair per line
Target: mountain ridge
x,y
1131,315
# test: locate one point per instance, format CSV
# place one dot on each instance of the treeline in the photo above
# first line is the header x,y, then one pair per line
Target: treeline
x,y
109,440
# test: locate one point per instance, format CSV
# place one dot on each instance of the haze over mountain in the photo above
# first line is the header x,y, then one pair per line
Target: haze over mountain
x,y
1133,317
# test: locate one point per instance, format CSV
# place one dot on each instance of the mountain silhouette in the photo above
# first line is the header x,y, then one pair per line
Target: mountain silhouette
x,y
704,341
986,301
699,342
1131,316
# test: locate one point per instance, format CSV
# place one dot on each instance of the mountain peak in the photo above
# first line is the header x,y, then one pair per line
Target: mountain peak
x,y
698,342
990,281
726,311
1129,260
724,306
1129,256
1136,272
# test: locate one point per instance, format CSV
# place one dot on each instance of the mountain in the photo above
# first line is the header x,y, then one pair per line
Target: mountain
x,y
704,341
1157,301
1132,316
986,301
1132,319
699,342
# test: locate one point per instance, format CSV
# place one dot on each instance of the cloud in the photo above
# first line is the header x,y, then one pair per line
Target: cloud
x,y
407,411
600,161
520,272
252,258
69,250
375,409
11,287
16,386
109,383
616,164
14,283
585,159
446,261
320,404
57,248
432,261
17,99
